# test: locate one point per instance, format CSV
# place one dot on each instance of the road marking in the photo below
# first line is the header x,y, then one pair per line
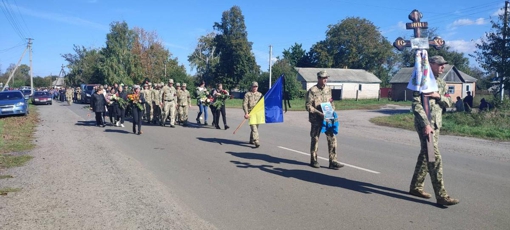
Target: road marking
x,y
322,158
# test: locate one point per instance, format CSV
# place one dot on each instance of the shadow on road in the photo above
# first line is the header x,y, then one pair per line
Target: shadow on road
x,y
117,131
391,111
323,179
266,158
222,141
86,123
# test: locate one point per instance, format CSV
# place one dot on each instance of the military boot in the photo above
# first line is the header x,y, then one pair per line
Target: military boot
x,y
420,193
335,165
313,161
447,200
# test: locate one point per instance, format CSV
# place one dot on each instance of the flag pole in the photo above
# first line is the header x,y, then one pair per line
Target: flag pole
x,y
239,126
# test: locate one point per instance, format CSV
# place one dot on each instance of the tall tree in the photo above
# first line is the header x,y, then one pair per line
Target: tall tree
x,y
294,54
120,64
83,66
204,58
236,59
354,43
285,67
493,52
153,55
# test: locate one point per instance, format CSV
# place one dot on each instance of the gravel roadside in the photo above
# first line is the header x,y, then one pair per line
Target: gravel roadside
x,y
81,181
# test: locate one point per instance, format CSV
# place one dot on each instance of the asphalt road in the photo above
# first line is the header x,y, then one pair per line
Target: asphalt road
x,y
233,186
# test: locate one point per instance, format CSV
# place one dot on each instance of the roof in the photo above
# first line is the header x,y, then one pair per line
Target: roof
x,y
450,75
58,82
338,75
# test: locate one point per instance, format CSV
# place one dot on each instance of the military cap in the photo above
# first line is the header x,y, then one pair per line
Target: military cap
x,y
150,83
145,85
184,84
136,87
161,83
254,84
178,84
322,74
438,60
171,81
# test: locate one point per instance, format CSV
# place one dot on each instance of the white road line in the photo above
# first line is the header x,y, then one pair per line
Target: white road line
x,y
322,158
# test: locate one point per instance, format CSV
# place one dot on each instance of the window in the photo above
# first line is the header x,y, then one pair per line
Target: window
x,y
467,88
360,87
451,89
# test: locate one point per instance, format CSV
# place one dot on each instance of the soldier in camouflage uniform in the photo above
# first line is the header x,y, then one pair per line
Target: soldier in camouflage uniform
x,y
250,100
177,111
316,95
78,94
184,102
167,96
438,101
156,100
148,105
69,95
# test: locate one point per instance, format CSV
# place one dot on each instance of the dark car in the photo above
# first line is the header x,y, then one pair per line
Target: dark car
x,y
86,92
42,98
27,93
13,103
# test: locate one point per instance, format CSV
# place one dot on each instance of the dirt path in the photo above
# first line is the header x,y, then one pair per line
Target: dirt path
x,y
87,184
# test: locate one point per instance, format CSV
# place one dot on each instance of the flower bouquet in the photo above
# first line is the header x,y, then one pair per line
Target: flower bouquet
x,y
220,98
135,99
204,99
122,102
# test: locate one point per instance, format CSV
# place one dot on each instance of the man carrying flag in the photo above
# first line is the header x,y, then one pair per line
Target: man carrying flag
x,y
316,95
250,100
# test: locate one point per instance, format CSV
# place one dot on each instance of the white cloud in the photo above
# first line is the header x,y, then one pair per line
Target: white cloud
x,y
468,22
62,18
399,26
463,46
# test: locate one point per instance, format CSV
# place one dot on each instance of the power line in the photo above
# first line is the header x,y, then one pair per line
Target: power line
x,y
12,19
23,19
16,46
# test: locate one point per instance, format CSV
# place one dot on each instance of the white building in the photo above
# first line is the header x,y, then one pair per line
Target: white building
x,y
345,83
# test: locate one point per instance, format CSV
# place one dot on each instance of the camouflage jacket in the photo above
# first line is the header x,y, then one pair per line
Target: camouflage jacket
x,y
147,94
250,100
314,97
155,96
167,93
183,98
436,107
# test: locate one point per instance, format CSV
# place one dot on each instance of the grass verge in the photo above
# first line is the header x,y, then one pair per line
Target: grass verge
x,y
487,125
5,191
16,136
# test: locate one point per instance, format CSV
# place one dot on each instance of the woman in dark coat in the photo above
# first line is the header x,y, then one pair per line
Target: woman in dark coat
x,y
98,105
137,113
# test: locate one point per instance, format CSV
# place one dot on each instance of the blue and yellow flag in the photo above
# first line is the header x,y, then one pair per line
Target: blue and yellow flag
x,y
269,108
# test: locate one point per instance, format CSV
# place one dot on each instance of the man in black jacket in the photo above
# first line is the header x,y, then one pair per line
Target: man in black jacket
x,y
98,105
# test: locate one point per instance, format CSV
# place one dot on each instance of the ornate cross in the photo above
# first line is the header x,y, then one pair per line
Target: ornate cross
x,y
416,25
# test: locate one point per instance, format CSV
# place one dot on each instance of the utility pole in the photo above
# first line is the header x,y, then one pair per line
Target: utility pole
x,y
505,29
15,68
31,68
270,57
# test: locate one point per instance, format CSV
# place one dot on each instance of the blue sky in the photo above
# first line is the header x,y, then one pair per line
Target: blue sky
x,y
57,24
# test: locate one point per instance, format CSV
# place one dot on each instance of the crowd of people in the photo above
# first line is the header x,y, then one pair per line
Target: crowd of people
x,y
156,104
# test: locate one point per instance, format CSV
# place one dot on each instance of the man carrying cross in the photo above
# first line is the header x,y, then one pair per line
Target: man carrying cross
x,y
430,97
437,101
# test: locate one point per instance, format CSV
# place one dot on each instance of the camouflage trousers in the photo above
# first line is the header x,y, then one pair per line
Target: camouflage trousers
x,y
183,113
69,100
156,117
254,134
315,132
169,111
149,110
423,166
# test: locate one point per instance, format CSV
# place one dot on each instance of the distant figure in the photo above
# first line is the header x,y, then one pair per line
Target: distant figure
x,y
459,105
468,102
484,105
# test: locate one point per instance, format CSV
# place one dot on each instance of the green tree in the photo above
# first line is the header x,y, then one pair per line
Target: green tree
x,y
120,64
295,54
236,59
493,52
152,54
285,67
354,43
83,66
204,58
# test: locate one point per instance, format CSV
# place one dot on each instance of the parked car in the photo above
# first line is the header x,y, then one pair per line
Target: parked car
x,y
42,98
13,103
86,92
27,93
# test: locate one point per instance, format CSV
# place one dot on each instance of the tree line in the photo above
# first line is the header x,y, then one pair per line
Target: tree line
x,y
225,56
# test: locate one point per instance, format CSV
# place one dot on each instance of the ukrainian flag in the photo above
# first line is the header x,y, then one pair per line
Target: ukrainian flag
x,y
269,108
